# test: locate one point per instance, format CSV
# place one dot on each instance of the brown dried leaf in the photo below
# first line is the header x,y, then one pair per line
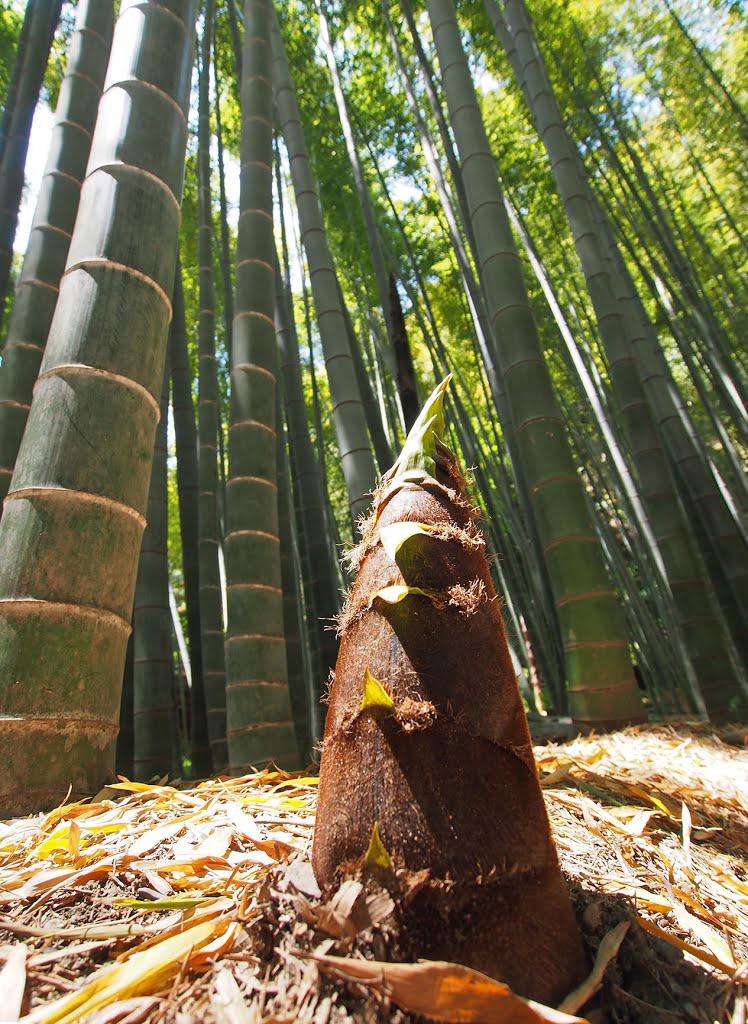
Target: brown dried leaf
x,y
339,916
444,991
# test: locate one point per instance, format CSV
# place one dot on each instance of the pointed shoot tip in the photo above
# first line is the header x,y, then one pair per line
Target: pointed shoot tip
x,y
419,452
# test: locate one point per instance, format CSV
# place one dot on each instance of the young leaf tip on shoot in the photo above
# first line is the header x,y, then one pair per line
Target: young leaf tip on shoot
x,y
444,780
376,857
375,695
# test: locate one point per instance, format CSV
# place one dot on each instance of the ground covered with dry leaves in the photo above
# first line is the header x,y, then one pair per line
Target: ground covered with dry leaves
x,y
164,904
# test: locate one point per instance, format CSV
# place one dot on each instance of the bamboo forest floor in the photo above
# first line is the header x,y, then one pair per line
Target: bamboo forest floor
x,y
161,904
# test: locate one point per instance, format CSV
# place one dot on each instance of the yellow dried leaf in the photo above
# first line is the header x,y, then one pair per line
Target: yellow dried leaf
x,y
65,811
673,940
141,787
654,800
558,773
221,944
214,911
58,840
375,696
701,930
144,972
377,858
444,992
74,840
106,829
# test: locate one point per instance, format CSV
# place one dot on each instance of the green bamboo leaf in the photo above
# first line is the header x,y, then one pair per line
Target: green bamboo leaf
x,y
396,534
419,454
375,695
397,593
176,904
377,858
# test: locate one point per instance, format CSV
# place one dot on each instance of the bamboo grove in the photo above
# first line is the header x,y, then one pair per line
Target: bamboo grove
x,y
262,236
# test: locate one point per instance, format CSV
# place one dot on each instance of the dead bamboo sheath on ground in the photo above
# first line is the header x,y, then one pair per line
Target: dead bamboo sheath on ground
x,y
426,737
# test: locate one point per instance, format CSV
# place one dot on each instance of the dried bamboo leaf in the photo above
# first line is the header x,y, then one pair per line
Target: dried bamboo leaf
x,y
35,854
50,956
126,1011
221,944
643,897
685,818
558,773
143,972
154,837
444,991
607,950
687,947
47,881
700,930
338,917
12,981
103,932
228,1002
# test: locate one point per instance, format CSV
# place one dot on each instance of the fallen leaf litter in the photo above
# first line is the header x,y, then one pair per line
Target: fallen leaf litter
x,y
159,904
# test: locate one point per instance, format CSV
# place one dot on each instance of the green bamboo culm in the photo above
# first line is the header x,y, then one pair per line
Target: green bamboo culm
x,y
209,426
123,762
75,513
52,227
259,722
699,625
320,585
11,96
185,441
154,710
600,681
356,459
45,15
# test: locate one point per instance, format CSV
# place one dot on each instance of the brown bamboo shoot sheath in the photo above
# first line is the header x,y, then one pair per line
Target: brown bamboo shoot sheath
x,y
447,770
